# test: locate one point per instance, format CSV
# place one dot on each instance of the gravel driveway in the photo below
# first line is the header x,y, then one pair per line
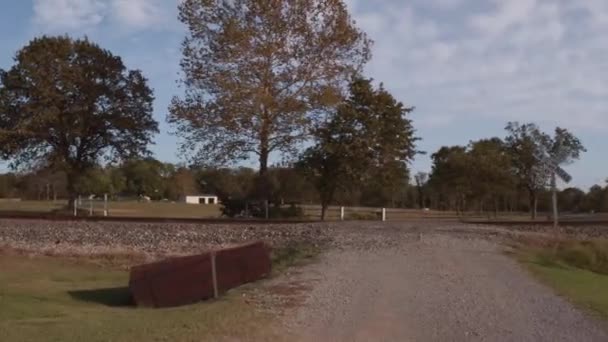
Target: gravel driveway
x,y
434,285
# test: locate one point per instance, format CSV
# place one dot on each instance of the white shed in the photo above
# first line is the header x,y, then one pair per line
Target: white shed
x,y
202,199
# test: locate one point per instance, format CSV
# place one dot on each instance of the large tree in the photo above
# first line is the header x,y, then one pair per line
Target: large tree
x,y
367,142
257,74
66,104
530,150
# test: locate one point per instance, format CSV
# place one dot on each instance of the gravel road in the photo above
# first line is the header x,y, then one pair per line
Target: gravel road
x,y
437,285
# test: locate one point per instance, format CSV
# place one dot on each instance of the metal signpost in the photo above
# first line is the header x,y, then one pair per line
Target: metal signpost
x,y
556,171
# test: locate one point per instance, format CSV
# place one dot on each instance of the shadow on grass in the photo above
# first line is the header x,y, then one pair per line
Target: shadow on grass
x,y
114,297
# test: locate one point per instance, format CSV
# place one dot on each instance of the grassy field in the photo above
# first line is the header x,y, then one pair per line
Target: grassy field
x,y
69,299
576,270
311,212
121,209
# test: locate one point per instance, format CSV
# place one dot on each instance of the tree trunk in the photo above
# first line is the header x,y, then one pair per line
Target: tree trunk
x,y
323,211
71,179
420,198
264,160
533,204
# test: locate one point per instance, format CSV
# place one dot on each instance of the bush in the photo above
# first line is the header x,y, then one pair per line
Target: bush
x,y
292,211
247,208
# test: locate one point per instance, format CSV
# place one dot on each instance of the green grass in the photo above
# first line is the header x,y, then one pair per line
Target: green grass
x,y
69,299
52,299
573,270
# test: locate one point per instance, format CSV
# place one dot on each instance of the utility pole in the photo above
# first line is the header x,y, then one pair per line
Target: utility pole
x,y
554,199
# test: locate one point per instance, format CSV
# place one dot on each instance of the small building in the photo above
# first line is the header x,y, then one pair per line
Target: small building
x,y
201,199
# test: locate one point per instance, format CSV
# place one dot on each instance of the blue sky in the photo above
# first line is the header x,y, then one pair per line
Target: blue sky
x,y
467,66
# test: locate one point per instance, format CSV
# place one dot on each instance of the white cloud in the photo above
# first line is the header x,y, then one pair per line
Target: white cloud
x,y
73,15
532,60
140,13
507,13
57,15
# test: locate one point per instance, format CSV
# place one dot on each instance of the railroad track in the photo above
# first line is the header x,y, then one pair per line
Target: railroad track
x,y
69,218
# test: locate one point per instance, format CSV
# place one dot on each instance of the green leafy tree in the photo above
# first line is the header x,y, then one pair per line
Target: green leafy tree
x,y
571,199
146,177
528,146
450,177
490,171
258,73
66,104
368,135
96,181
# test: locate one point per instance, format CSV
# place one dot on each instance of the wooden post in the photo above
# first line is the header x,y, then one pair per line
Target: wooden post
x,y
383,214
90,206
266,209
554,199
75,205
214,276
341,213
105,204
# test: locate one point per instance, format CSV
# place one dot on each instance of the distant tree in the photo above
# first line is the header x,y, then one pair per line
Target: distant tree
x,y
596,200
96,181
9,183
291,186
66,104
258,73
369,140
527,144
571,199
181,183
146,177
227,183
450,177
491,171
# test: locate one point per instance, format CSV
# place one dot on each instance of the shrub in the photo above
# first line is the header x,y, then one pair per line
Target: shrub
x,y
250,208
589,255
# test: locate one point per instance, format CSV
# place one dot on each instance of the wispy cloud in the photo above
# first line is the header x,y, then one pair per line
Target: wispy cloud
x,y
534,60
59,15
69,15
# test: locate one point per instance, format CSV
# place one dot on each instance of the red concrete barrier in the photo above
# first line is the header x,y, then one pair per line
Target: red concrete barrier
x,y
187,280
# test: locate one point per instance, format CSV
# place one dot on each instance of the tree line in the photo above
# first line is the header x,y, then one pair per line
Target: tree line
x,y
507,174
260,79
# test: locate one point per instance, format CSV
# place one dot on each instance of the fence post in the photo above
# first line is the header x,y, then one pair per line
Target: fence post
x,y
214,276
341,213
105,204
90,206
266,208
75,205
383,214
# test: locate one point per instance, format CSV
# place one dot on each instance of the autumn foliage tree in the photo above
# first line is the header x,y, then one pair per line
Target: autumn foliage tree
x,y
68,104
257,74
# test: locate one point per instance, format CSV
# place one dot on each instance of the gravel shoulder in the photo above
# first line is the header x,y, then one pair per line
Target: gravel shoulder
x,y
433,286
414,281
